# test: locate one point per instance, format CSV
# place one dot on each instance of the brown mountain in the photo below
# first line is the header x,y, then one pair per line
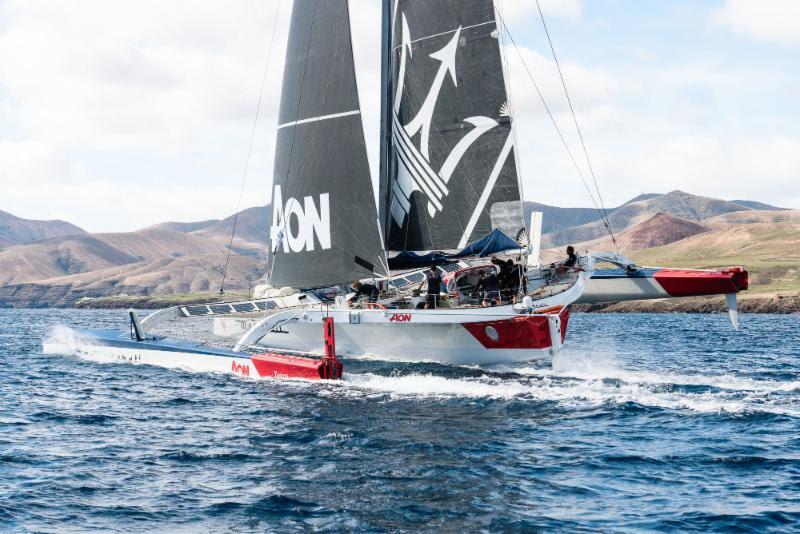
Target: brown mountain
x,y
660,229
250,235
18,231
157,260
188,257
676,203
753,217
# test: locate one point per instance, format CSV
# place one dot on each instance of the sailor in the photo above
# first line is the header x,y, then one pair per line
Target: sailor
x,y
488,289
502,273
569,263
434,279
513,279
365,290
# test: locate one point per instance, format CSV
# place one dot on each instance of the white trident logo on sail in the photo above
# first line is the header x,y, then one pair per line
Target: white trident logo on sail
x,y
414,172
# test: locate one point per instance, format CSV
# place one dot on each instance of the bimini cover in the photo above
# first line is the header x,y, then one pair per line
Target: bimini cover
x,y
493,243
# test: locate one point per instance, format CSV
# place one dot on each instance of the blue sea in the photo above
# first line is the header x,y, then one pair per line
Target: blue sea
x,y
644,423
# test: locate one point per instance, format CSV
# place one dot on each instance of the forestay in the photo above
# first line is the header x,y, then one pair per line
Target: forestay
x,y
449,175
324,221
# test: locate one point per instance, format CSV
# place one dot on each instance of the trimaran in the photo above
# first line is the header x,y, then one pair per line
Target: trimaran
x,y
449,195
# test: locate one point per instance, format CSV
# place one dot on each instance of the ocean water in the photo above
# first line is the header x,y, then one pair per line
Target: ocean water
x,y
645,422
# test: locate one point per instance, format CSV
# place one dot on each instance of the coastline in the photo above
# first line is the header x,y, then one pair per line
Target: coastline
x,y
781,303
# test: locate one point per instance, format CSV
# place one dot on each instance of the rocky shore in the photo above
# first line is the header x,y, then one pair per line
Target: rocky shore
x,y
779,303
60,297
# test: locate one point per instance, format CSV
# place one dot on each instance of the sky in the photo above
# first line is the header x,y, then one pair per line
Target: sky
x,y
118,114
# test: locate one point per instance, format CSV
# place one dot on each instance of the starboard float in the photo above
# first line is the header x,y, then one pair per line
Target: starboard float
x,y
628,281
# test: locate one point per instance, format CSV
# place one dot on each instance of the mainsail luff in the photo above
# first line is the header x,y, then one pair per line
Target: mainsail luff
x,y
449,175
324,222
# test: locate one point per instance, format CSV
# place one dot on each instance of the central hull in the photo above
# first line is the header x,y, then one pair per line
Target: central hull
x,y
493,341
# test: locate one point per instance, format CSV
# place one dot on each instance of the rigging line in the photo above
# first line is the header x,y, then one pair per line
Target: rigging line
x,y
577,127
502,43
552,118
250,146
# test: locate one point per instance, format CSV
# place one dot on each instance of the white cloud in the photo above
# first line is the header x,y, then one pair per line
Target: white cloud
x,y
116,115
98,95
515,11
776,21
652,129
764,169
144,75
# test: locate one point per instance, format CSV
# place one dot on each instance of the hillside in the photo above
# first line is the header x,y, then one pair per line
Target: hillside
x,y
752,217
676,203
752,204
58,257
660,229
18,231
184,260
157,260
251,230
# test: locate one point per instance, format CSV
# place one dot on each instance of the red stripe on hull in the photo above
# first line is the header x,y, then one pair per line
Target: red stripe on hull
x,y
687,283
527,332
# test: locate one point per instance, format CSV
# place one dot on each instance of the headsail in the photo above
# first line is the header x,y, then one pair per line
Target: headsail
x,y
324,222
449,173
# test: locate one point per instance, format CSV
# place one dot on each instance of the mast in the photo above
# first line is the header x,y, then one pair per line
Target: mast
x,y
386,120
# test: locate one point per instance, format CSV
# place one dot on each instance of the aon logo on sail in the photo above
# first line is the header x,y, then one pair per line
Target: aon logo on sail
x,y
294,225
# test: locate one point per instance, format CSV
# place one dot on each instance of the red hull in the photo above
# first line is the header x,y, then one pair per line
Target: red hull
x,y
688,283
275,365
526,332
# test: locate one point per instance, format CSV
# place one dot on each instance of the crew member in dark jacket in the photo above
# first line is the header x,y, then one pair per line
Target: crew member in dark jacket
x,y
513,279
434,279
488,289
569,263
366,290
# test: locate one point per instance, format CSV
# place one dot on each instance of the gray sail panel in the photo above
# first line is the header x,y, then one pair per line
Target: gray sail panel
x,y
324,228
450,175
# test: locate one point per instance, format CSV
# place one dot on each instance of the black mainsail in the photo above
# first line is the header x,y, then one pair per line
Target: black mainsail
x,y
449,175
324,222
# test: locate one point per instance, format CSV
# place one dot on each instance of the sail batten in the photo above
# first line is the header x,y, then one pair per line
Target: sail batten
x,y
448,172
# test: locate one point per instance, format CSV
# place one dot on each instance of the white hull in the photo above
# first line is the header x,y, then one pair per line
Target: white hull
x,y
186,361
447,343
461,336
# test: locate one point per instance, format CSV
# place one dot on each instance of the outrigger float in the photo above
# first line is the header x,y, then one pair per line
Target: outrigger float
x,y
139,347
450,196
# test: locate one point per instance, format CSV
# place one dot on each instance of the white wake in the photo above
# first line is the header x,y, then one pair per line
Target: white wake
x,y
586,383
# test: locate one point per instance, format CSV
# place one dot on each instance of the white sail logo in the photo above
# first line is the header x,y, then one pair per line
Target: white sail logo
x,y
414,171
294,225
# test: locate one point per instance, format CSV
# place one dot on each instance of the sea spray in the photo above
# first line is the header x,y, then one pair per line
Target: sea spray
x,y
63,340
